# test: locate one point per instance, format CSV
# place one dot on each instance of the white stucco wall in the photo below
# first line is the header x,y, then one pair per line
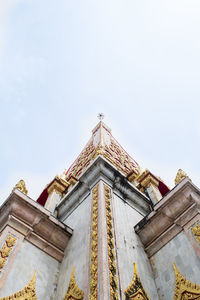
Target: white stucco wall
x,y
77,249
28,259
181,252
129,248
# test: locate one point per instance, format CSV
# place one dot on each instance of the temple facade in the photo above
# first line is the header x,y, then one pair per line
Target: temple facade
x,y
104,229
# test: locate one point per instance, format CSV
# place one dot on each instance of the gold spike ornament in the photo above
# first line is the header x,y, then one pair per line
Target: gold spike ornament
x,y
135,290
28,292
73,291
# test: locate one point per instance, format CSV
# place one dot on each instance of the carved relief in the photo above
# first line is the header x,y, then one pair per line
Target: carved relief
x,y
196,231
94,247
111,248
135,290
6,250
82,161
21,186
185,289
28,292
73,291
112,151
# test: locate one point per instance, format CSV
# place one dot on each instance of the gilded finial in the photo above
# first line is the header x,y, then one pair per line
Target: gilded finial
x,y
21,186
180,176
101,116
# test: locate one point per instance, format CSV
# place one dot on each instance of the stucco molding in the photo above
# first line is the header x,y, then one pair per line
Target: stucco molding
x,y
100,168
169,217
35,223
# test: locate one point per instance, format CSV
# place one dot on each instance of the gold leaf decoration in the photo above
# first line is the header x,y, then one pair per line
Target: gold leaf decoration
x,y
114,295
73,291
136,290
6,250
28,292
185,289
196,231
21,186
180,176
112,151
94,247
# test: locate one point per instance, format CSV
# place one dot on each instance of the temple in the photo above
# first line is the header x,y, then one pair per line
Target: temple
x,y
104,229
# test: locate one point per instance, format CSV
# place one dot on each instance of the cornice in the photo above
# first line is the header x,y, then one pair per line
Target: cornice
x,y
59,185
35,223
147,178
169,216
100,167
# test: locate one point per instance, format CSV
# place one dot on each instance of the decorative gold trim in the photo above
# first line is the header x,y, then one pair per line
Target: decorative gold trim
x,y
136,290
132,176
111,150
28,292
146,179
94,247
196,231
185,289
6,250
21,186
56,186
180,176
73,291
114,295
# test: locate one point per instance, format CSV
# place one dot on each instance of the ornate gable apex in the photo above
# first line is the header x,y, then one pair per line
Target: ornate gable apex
x,y
102,143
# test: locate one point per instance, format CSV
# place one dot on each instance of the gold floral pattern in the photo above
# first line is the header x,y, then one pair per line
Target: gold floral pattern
x,y
6,250
94,247
27,293
185,289
114,295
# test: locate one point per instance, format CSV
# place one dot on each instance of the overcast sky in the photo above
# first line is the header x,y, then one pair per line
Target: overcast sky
x,y
62,62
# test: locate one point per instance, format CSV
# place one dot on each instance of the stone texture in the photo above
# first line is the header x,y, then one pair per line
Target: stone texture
x,y
28,259
130,249
77,249
179,251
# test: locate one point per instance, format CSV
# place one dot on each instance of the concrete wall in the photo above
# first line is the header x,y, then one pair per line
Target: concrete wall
x,y
28,259
77,249
180,251
129,248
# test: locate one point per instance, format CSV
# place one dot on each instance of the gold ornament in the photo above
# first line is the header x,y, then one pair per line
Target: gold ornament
x,y
185,289
28,292
21,186
114,295
180,176
196,231
6,249
112,152
94,247
136,290
73,291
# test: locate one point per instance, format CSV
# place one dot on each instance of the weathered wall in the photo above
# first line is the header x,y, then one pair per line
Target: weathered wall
x,y
28,259
77,249
181,252
129,248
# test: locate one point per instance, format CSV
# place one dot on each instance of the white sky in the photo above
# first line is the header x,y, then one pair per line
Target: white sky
x,y
62,62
